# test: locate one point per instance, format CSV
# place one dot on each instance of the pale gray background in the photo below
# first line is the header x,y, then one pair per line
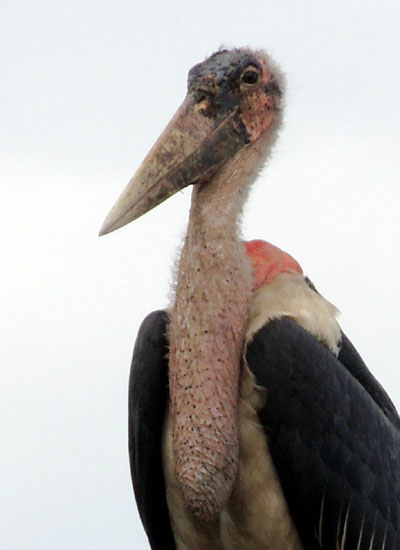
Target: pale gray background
x,y
85,89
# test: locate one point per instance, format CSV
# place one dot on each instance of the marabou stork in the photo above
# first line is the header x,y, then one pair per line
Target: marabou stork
x,y
253,421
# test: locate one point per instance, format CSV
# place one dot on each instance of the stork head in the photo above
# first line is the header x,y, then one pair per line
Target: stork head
x,y
233,99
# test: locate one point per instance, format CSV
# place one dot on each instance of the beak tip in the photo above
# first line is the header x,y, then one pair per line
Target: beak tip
x,y
106,228
115,221
122,213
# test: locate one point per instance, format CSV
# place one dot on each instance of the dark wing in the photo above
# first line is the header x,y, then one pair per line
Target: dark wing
x,y
334,442
148,396
351,359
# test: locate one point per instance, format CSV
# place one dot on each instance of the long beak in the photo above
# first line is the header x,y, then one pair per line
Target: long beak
x,y
190,150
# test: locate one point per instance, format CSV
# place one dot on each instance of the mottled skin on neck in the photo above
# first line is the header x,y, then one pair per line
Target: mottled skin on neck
x,y
208,325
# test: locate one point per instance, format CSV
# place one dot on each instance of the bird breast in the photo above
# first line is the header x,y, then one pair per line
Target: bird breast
x,y
255,516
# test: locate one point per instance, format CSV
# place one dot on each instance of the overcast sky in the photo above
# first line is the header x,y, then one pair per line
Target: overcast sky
x,y
86,87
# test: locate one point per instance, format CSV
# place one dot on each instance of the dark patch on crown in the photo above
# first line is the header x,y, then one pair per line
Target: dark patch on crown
x,y
218,78
221,67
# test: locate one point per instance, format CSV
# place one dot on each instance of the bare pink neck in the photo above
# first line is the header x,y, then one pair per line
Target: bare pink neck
x,y
208,323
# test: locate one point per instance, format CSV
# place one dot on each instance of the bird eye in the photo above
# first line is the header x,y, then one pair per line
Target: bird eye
x,y
250,76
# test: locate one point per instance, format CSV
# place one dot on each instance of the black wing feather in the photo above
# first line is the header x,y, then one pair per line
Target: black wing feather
x,y
334,442
351,359
148,395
